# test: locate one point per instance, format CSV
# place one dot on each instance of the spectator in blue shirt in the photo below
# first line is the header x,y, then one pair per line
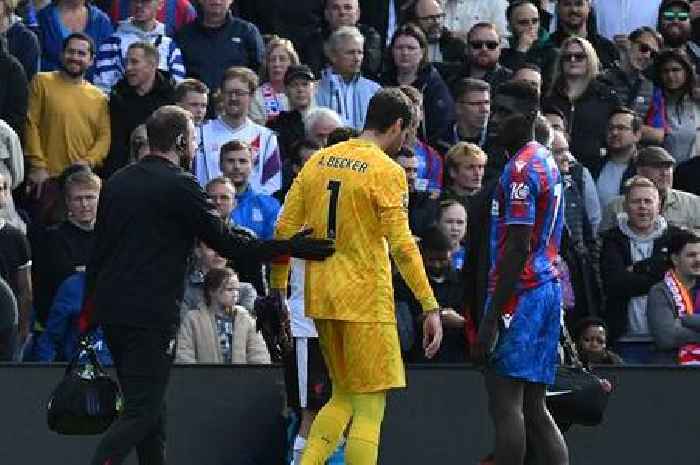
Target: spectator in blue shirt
x,y
56,22
254,210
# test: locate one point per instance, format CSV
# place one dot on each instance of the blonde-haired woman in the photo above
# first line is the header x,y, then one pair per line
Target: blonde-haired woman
x,y
270,98
585,101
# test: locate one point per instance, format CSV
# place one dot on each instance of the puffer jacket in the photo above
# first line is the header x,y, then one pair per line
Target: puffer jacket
x,y
198,341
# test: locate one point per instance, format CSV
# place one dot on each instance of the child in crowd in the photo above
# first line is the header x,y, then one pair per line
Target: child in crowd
x,y
591,342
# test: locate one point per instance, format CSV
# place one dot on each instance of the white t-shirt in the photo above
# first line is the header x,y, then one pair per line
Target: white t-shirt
x,y
302,326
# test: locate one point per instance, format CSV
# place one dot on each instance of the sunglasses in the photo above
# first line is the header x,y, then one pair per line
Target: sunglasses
x,y
575,57
675,15
526,21
479,44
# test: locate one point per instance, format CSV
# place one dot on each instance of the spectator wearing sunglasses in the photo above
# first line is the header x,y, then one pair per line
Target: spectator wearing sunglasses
x,y
575,19
674,24
627,78
528,41
481,59
585,101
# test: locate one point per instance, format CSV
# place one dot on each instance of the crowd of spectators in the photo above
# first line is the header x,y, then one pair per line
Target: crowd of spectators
x,y
268,86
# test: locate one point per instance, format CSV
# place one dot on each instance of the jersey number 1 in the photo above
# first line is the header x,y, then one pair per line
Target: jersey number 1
x,y
334,187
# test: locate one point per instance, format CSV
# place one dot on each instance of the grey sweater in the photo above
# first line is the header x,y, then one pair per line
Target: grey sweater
x,y
669,330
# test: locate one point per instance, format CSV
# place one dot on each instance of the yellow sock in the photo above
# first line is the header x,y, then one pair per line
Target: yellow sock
x,y
363,439
327,428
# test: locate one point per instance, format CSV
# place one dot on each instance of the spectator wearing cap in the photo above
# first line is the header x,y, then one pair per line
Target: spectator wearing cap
x,y
623,135
615,18
299,93
270,98
342,87
575,21
679,208
628,78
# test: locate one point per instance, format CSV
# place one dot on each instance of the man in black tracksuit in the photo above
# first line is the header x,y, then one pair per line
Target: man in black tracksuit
x,y
148,218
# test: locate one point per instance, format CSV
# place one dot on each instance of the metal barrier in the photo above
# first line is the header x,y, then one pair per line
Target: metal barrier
x,y
233,416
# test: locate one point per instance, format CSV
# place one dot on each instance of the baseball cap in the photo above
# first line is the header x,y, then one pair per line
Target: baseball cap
x,y
296,72
654,156
669,3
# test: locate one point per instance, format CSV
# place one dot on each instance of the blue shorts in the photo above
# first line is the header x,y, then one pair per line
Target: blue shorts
x,y
527,349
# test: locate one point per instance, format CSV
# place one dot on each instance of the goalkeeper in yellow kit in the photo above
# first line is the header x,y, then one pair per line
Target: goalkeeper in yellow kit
x,y
355,194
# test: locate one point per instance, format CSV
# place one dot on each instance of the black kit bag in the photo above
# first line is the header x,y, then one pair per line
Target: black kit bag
x,y
87,400
577,396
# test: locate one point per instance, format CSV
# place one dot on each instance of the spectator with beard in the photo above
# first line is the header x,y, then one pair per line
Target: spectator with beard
x,y
68,119
481,58
574,21
672,307
409,65
60,18
528,41
443,45
472,108
422,205
628,78
679,208
337,14
624,133
674,25
585,101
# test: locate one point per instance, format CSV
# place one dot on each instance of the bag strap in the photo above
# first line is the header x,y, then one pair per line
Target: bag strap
x,y
569,346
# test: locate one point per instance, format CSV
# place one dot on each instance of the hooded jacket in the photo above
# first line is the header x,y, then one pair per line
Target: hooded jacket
x,y
127,110
111,57
621,285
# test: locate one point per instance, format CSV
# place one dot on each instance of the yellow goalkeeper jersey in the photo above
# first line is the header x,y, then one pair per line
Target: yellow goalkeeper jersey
x,y
355,194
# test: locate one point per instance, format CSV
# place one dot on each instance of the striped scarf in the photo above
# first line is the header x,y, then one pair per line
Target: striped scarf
x,y
688,354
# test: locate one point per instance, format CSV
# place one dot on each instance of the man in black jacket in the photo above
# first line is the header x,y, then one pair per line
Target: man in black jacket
x,y
147,221
142,90
339,13
13,90
235,42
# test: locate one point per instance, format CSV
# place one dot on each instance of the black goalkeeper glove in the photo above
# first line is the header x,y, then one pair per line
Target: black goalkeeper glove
x,y
301,245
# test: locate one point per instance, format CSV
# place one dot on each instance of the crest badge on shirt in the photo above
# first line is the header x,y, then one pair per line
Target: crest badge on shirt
x,y
257,215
